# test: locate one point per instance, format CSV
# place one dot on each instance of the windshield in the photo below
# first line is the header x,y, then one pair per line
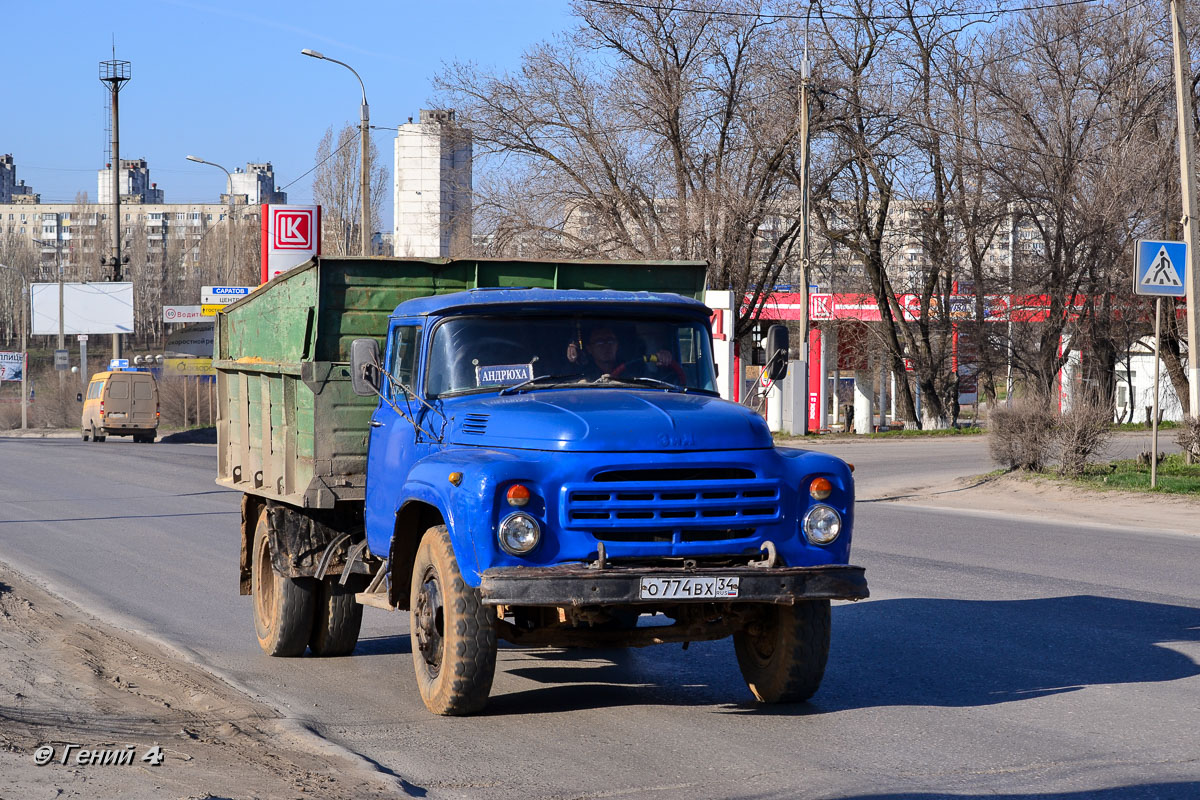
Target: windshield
x,y
482,353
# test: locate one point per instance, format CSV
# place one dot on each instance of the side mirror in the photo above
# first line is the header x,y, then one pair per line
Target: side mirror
x,y
79,397
364,366
777,352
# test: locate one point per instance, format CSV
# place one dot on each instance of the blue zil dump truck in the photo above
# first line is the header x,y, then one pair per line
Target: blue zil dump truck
x,y
525,451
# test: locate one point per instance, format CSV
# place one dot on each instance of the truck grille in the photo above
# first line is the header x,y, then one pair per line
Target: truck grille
x,y
475,423
672,505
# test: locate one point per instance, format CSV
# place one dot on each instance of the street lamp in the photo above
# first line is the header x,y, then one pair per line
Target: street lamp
x,y
229,234
364,127
24,356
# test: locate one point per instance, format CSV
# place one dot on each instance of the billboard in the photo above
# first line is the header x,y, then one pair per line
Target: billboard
x,y
184,367
193,340
87,308
291,235
12,366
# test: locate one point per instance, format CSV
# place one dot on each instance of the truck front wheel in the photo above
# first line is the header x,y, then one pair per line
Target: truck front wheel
x,y
283,606
782,654
453,633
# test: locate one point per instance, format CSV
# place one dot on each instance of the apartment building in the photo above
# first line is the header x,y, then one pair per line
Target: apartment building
x,y
11,189
133,180
78,235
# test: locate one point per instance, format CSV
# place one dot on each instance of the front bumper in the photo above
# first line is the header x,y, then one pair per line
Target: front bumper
x,y
581,585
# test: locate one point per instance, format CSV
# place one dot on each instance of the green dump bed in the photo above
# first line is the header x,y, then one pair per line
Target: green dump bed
x,y
289,427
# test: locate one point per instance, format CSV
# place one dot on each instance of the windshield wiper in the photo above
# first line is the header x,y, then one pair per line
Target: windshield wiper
x,y
642,380
540,379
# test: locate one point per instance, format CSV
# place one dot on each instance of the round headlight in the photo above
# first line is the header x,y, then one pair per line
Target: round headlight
x,y
519,533
822,524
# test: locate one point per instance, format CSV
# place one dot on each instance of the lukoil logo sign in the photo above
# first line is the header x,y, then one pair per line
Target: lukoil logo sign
x,y
291,235
293,229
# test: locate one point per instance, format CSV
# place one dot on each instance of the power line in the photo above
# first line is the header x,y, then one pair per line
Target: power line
x,y
346,144
834,15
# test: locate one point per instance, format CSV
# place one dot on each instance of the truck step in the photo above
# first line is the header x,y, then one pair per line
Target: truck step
x,y
376,599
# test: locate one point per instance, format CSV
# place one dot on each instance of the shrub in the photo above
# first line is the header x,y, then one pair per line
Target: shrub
x,y
1080,433
1020,435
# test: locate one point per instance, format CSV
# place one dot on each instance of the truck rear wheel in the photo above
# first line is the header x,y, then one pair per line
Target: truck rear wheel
x,y
782,655
283,606
337,618
453,633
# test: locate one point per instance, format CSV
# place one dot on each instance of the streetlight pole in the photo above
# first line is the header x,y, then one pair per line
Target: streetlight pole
x,y
229,194
364,129
805,276
24,344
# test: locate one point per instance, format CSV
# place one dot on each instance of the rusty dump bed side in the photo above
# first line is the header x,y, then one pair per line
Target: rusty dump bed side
x,y
289,427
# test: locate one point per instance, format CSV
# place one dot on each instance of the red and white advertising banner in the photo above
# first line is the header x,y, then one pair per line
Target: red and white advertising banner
x,y
864,308
816,381
291,235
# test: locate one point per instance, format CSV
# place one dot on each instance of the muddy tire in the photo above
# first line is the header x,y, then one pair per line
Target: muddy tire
x,y
453,633
337,618
97,436
86,434
782,656
283,606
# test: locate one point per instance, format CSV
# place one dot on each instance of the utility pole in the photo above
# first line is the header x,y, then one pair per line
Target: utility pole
x,y
365,178
25,299
116,74
802,380
1187,182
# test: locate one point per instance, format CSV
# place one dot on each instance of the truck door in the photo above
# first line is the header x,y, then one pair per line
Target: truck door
x,y
394,443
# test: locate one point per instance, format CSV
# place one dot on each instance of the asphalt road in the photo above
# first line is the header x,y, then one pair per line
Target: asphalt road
x,y
1018,660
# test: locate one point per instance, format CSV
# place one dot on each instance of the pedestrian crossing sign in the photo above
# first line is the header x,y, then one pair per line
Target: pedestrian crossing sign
x,y
1161,269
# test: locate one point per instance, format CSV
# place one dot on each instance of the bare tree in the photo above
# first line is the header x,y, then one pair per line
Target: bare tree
x,y
337,187
646,132
1073,91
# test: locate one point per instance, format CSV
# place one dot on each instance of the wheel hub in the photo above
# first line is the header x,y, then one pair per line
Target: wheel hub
x,y
430,626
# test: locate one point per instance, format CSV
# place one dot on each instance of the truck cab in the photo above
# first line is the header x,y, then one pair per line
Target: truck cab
x,y
546,466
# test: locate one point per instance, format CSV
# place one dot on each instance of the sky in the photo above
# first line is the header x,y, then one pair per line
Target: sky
x,y
225,81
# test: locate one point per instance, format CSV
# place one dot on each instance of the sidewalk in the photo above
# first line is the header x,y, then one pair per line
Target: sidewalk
x,y
1044,499
40,433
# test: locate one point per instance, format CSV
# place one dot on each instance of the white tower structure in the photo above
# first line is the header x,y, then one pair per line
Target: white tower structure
x,y
432,192
255,185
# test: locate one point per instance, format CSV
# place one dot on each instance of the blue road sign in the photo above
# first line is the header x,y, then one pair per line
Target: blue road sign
x,y
1161,269
116,364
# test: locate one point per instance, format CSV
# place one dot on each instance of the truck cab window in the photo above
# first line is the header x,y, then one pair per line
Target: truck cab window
x,y
406,341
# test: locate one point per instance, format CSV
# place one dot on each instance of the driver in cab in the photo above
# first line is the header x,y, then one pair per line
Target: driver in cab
x,y
602,358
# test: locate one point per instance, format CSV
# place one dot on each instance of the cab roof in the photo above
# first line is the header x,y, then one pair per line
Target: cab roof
x,y
571,299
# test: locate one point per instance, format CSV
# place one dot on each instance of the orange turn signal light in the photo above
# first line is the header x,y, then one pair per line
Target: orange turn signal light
x,y
820,488
518,495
